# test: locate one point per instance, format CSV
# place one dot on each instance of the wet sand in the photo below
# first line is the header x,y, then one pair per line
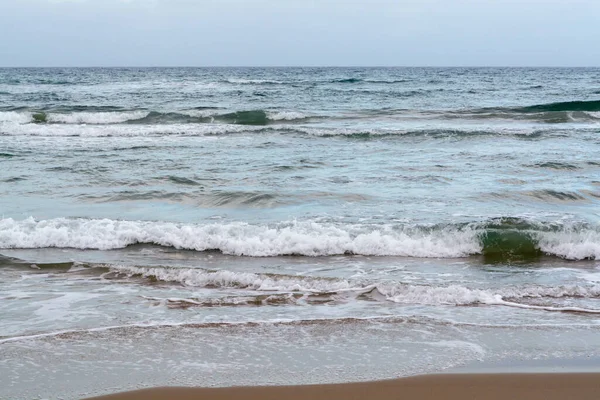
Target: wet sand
x,y
580,386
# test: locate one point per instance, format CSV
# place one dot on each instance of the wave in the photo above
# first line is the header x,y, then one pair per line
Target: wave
x,y
353,133
280,289
331,288
197,277
555,165
198,115
14,179
268,289
253,81
346,80
181,180
135,129
128,329
257,117
96,117
496,240
591,105
288,238
551,113
81,117
216,198
126,130
251,117
387,81
554,113
554,195
15,117
308,82
275,299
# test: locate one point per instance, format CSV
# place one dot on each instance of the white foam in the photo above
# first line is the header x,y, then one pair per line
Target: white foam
x,y
50,130
90,330
307,238
252,81
571,244
202,278
13,117
396,292
549,308
433,295
96,117
285,116
200,113
165,324
590,276
460,295
236,238
404,130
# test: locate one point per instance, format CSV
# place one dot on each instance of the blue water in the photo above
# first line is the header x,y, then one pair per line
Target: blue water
x,y
195,199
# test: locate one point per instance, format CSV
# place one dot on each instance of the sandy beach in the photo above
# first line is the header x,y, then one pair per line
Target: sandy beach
x,y
561,386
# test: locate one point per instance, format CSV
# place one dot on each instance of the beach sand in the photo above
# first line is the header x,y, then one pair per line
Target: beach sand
x,y
563,386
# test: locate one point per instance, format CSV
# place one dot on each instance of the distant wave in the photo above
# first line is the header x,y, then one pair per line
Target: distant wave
x,y
198,115
308,82
498,239
95,117
387,81
278,124
592,105
125,130
216,198
241,81
346,80
551,113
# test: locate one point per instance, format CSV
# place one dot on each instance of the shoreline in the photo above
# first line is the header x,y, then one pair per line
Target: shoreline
x,y
500,386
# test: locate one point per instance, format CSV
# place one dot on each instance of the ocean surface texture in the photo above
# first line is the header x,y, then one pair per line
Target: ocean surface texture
x,y
226,226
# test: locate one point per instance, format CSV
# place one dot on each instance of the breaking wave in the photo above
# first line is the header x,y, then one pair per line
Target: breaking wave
x,y
281,123
550,113
268,289
203,115
496,240
396,292
553,113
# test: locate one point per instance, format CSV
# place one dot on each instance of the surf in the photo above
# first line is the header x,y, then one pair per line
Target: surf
x,y
497,240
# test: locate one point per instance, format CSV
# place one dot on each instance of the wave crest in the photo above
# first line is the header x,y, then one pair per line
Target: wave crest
x,y
241,239
204,115
497,240
590,105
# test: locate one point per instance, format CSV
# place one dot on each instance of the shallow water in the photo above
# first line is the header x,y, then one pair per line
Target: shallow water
x,y
416,207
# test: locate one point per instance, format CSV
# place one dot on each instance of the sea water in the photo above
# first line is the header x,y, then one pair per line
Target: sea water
x,y
224,226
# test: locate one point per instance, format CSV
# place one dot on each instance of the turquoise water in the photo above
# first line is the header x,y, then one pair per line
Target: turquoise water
x,y
459,201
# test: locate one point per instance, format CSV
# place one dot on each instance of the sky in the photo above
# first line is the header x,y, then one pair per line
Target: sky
x,y
299,33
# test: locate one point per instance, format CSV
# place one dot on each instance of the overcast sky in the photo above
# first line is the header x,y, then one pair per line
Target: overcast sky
x,y
299,32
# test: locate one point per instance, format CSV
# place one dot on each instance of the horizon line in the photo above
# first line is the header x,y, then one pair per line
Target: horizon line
x,y
300,66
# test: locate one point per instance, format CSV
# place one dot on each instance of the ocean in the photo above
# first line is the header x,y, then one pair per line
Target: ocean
x,y
235,226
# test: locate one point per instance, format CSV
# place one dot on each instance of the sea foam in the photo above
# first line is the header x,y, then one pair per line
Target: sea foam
x,y
96,117
241,239
310,238
397,292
